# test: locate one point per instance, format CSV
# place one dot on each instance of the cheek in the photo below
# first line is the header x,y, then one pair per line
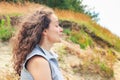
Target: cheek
x,y
53,36
54,31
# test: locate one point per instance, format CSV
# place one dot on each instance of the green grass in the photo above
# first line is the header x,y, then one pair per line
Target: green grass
x,y
67,31
105,69
5,29
101,32
81,38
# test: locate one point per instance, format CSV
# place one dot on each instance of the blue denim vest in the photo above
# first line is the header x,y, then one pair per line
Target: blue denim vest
x,y
51,58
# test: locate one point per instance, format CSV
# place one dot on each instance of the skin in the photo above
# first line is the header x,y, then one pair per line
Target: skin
x,y
38,66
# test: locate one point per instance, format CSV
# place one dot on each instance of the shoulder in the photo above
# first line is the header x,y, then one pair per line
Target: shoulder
x,y
36,51
37,66
37,63
38,60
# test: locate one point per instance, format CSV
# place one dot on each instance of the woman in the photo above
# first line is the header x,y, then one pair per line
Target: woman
x,y
31,51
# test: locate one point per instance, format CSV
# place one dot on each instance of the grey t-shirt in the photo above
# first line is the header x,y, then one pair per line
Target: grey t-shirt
x,y
51,58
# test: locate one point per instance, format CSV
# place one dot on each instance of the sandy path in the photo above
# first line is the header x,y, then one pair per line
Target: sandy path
x,y
117,70
5,55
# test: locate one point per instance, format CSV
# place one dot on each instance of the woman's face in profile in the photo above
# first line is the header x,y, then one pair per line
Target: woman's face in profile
x,y
54,32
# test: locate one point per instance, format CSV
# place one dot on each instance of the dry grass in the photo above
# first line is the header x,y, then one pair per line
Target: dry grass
x,y
70,15
8,75
11,8
93,61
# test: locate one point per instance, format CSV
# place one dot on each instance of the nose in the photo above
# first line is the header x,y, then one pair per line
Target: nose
x,y
61,29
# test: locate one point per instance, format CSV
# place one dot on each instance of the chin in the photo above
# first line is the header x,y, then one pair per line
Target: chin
x,y
58,41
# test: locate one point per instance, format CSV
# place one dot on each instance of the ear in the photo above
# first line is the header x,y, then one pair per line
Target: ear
x,y
44,32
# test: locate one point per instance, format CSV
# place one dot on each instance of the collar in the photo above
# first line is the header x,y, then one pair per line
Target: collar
x,y
49,54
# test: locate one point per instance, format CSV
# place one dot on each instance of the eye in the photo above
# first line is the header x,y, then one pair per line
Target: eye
x,y
57,26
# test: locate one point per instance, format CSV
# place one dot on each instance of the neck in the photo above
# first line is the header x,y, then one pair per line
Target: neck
x,y
45,44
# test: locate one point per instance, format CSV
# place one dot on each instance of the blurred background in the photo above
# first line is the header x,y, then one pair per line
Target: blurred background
x,y
90,49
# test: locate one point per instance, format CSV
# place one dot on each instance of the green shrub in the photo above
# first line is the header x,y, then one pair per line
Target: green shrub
x,y
81,38
108,71
67,31
5,29
5,33
2,23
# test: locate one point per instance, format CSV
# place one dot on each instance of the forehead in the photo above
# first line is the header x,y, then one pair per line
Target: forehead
x,y
54,18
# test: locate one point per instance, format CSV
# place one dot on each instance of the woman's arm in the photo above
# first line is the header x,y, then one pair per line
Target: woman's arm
x,y
39,68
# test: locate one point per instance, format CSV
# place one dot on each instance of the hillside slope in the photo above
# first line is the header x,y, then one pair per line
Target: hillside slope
x,y
75,63
84,54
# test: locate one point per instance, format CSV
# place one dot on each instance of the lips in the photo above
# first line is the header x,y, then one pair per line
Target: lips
x,y
61,34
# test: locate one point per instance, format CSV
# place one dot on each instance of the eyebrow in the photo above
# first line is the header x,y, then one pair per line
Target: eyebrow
x,y
57,21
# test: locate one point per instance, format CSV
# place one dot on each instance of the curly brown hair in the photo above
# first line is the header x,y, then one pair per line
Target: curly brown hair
x,y
29,36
